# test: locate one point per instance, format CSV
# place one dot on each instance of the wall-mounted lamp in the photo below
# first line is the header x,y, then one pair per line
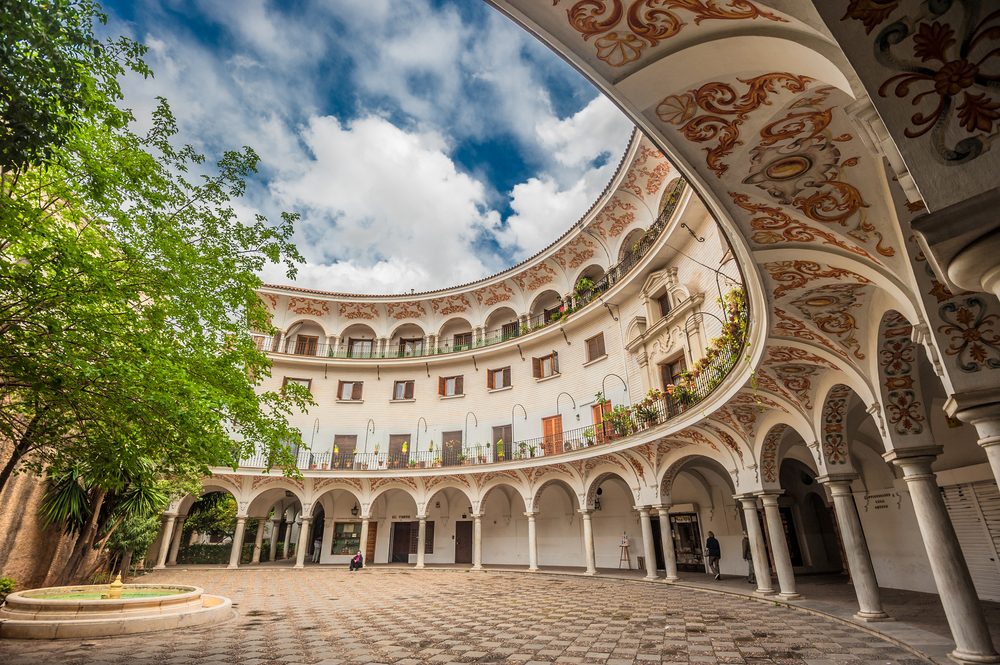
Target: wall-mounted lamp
x,y
355,510
597,501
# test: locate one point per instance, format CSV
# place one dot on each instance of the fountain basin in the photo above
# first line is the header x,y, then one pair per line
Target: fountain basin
x,y
79,611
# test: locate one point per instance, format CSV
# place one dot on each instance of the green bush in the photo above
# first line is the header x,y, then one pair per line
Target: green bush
x,y
219,553
7,586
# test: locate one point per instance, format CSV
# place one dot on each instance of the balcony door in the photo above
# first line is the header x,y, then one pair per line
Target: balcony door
x,y
552,433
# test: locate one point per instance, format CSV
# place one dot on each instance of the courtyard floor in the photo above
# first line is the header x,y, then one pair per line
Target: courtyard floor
x,y
398,615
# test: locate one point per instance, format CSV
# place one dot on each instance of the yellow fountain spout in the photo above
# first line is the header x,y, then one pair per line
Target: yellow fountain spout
x,y
115,588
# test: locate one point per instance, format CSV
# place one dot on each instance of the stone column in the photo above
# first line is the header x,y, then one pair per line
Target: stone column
x,y
647,542
234,553
272,551
287,539
258,541
779,546
421,541
363,543
532,542
175,545
757,546
951,574
858,559
303,542
477,541
168,536
667,541
588,542
985,417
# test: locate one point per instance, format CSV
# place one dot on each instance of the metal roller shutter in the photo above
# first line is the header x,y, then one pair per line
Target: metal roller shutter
x,y
975,514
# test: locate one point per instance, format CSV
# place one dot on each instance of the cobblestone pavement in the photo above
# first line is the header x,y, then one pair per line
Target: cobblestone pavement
x,y
405,616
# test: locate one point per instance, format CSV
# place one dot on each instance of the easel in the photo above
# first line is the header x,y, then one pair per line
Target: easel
x,y
623,556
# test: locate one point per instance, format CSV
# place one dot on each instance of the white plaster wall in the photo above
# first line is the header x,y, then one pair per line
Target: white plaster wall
x,y
615,517
505,529
559,529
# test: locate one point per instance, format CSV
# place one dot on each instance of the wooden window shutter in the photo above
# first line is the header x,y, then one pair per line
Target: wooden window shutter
x,y
491,379
536,367
429,536
506,376
459,385
441,385
555,362
356,390
414,536
340,389
408,391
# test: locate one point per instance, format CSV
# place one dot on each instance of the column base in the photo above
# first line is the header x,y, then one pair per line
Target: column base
x,y
966,657
159,567
232,567
764,592
790,596
478,568
670,580
651,578
532,570
872,616
590,573
419,566
298,567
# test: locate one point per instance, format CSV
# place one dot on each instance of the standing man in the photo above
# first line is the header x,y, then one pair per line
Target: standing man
x,y
714,553
748,557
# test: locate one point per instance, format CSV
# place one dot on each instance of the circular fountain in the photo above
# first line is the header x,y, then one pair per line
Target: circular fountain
x,y
108,610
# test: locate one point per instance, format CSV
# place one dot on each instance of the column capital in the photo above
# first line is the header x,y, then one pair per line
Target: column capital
x,y
239,518
837,481
770,497
530,514
306,518
641,509
477,516
169,516
586,512
746,498
421,518
916,455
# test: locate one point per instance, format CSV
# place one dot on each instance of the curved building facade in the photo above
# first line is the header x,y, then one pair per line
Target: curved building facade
x,y
779,318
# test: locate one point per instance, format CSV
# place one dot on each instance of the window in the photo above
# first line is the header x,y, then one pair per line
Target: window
x,y
510,330
452,450
502,438
462,341
450,386
399,451
549,314
670,371
402,390
307,383
259,342
545,366
359,348
343,450
349,391
411,347
664,302
595,347
601,429
498,378
552,431
305,345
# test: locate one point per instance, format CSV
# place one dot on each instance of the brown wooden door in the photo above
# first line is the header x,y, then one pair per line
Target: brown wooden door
x,y
397,458
463,541
370,545
400,552
305,345
552,442
451,450
601,429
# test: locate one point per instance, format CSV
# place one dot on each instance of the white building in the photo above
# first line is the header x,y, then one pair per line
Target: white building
x,y
844,182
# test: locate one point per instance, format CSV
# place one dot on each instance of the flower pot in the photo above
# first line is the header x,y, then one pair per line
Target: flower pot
x,y
325,466
312,465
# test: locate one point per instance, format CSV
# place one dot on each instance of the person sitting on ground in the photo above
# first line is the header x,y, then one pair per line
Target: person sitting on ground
x,y
357,562
714,553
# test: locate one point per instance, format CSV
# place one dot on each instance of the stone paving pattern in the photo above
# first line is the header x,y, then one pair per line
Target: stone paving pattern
x,y
325,617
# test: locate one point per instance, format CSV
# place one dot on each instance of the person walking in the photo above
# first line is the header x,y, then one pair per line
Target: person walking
x,y
714,553
748,557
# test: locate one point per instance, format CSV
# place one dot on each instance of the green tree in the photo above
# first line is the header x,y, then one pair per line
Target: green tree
x,y
135,535
127,285
213,514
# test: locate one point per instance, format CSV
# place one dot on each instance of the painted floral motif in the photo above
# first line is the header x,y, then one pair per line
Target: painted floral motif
x,y
798,379
793,275
614,218
729,441
948,54
792,327
695,436
799,163
772,226
450,304
622,35
975,342
724,111
308,306
494,293
834,414
769,453
870,12
640,169
269,299
405,310
576,253
535,277
829,308
787,354
358,310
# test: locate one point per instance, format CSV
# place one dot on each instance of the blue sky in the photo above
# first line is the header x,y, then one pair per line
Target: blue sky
x,y
425,143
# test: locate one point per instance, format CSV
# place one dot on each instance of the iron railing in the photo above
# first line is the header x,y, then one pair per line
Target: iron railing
x,y
490,337
622,422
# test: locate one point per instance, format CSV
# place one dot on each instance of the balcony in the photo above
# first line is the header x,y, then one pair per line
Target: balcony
x,y
615,274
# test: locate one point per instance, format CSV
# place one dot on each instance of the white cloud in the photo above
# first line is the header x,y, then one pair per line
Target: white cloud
x,y
385,210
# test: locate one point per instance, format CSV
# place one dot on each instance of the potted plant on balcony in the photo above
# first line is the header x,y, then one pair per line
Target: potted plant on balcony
x,y
413,464
588,436
462,459
312,461
584,285
500,450
533,449
523,449
437,462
